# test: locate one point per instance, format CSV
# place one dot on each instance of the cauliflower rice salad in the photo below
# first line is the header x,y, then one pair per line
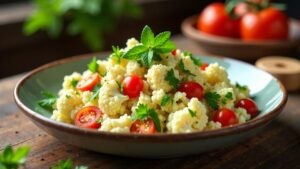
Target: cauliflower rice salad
x,y
151,87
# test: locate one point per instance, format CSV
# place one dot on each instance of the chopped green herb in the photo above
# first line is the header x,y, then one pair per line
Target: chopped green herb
x,y
192,113
99,121
93,65
197,61
165,100
182,68
68,164
173,81
74,82
12,159
223,101
186,53
95,92
142,112
121,86
229,95
48,102
117,54
212,99
241,87
68,97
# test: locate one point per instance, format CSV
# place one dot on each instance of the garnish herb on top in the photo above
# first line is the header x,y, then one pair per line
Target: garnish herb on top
x,y
165,100
151,47
142,112
228,96
93,65
74,82
197,61
12,159
117,53
173,81
68,164
48,101
192,113
212,98
182,68
241,87
95,92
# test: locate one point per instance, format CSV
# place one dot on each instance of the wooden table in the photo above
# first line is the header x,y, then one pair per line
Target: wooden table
x,y
278,146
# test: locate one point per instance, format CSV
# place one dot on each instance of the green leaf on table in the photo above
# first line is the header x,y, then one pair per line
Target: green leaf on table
x,y
12,159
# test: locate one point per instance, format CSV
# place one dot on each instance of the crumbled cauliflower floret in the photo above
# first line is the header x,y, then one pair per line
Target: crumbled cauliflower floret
x,y
215,74
115,73
211,125
242,115
111,100
120,125
102,67
86,99
179,101
131,42
227,98
67,84
134,68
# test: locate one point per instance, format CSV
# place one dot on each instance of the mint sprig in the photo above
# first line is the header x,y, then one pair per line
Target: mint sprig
x,y
151,47
12,159
68,164
142,112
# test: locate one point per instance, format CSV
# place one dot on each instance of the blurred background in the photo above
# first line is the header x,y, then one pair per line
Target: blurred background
x,y
36,32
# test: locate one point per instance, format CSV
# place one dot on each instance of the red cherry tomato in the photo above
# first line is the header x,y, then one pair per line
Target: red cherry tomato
x,y
143,127
88,83
226,117
249,105
88,117
215,20
174,52
268,24
132,86
243,8
192,89
204,66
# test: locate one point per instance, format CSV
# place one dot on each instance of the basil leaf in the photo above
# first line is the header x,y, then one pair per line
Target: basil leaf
x,y
162,38
147,36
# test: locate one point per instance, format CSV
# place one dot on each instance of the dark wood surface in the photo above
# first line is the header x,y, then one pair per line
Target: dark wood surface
x,y
277,146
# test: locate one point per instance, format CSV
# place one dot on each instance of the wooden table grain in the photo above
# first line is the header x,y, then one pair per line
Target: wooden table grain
x,y
277,146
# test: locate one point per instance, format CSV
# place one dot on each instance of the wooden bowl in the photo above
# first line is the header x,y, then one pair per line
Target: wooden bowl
x,y
239,49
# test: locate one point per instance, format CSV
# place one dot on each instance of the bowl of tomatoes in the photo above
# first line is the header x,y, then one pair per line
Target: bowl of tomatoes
x,y
244,30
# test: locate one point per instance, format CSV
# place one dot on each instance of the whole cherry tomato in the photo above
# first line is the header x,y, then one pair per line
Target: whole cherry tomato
x,y
249,105
192,89
226,117
132,86
215,20
144,127
88,83
268,24
88,117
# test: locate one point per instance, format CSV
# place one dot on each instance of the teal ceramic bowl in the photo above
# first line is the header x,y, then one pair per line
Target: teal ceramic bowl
x,y
267,91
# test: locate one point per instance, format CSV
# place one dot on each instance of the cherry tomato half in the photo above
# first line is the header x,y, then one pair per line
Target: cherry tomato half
x,y
192,89
268,24
88,117
204,66
132,86
226,117
249,105
215,20
88,83
143,127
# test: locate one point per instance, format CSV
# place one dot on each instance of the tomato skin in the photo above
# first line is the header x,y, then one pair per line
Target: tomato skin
x,y
132,86
249,105
226,117
88,83
215,20
174,52
204,66
143,127
87,117
268,24
192,89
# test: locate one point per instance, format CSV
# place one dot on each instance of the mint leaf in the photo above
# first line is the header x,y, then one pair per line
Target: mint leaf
x,y
74,82
182,68
192,113
162,38
147,58
48,102
165,100
95,92
12,159
68,164
212,99
147,36
93,66
135,52
166,47
142,112
170,77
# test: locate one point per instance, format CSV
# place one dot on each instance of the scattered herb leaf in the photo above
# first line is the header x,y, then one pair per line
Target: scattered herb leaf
x,y
142,112
68,164
95,92
229,95
48,102
241,87
99,121
192,113
182,68
121,86
93,65
212,99
74,82
165,100
170,77
117,54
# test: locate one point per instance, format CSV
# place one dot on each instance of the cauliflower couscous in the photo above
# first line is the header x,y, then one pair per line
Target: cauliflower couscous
x,y
151,87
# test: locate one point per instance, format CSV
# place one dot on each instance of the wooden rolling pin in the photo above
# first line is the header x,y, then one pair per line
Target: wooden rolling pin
x,y
287,70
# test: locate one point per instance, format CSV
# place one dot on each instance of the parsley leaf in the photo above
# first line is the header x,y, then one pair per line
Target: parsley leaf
x,y
241,87
165,100
12,159
182,68
93,66
95,91
147,37
142,112
48,102
74,82
229,95
117,54
68,164
212,99
173,81
223,101
192,113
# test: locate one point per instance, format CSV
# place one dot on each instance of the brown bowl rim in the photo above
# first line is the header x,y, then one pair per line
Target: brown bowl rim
x,y
190,31
251,124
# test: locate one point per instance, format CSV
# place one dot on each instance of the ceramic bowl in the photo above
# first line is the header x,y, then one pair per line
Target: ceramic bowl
x,y
267,91
239,49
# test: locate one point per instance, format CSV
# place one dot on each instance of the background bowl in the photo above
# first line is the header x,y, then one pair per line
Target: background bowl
x,y
269,94
239,49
